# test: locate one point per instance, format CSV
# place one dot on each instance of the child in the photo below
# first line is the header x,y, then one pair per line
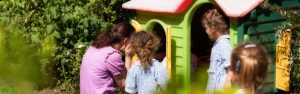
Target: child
x,y
102,68
147,74
249,64
217,28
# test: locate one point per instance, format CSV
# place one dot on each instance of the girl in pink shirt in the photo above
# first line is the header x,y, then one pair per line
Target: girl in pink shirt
x,y
102,68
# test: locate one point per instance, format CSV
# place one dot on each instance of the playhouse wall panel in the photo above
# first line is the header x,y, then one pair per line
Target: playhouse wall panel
x,y
259,26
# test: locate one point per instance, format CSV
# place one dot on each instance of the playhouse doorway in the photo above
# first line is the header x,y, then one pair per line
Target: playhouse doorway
x,y
200,48
159,31
200,43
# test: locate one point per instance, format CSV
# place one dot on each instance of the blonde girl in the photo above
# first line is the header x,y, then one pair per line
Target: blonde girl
x,y
249,64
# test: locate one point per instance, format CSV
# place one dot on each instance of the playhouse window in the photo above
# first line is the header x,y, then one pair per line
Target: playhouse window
x,y
200,46
159,31
200,43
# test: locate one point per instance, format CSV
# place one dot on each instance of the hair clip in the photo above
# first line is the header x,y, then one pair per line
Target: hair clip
x,y
249,45
237,67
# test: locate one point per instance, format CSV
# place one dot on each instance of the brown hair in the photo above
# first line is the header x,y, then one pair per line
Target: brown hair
x,y
249,62
119,32
216,20
144,44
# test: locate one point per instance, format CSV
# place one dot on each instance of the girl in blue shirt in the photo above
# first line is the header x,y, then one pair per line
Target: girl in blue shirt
x,y
216,25
146,75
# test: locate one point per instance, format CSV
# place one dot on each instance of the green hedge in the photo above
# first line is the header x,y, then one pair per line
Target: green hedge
x,y
62,29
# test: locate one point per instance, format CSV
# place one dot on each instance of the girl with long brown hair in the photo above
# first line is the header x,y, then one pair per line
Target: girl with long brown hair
x,y
102,68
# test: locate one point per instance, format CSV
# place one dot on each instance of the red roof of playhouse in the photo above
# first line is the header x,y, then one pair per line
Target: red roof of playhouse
x,y
232,8
165,6
237,8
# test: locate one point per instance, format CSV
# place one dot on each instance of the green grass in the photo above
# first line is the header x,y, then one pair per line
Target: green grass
x,y
7,87
199,79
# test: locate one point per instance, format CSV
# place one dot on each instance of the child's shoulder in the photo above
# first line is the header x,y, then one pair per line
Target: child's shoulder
x,y
223,43
223,47
138,67
155,63
138,62
160,66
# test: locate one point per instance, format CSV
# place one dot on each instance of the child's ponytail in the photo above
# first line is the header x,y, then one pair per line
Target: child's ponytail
x,y
103,39
249,62
145,57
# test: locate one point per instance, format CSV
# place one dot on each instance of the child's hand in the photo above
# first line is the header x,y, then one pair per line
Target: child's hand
x,y
128,50
128,61
128,57
229,79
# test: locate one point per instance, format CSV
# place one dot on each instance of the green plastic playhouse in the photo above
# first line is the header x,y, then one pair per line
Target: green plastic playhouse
x,y
181,23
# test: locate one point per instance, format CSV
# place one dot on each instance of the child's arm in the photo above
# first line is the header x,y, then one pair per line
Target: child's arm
x,y
120,80
227,56
229,78
115,67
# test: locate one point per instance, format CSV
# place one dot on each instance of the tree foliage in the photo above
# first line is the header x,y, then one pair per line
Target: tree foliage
x,y
293,25
72,24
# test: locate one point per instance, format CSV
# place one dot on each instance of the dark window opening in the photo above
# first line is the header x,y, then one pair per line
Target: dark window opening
x,y
159,31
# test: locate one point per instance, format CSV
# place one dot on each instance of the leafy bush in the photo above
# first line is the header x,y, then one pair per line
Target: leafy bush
x,y
73,24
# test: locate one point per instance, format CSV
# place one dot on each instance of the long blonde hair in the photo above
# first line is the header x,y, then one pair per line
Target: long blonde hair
x,y
144,44
249,62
